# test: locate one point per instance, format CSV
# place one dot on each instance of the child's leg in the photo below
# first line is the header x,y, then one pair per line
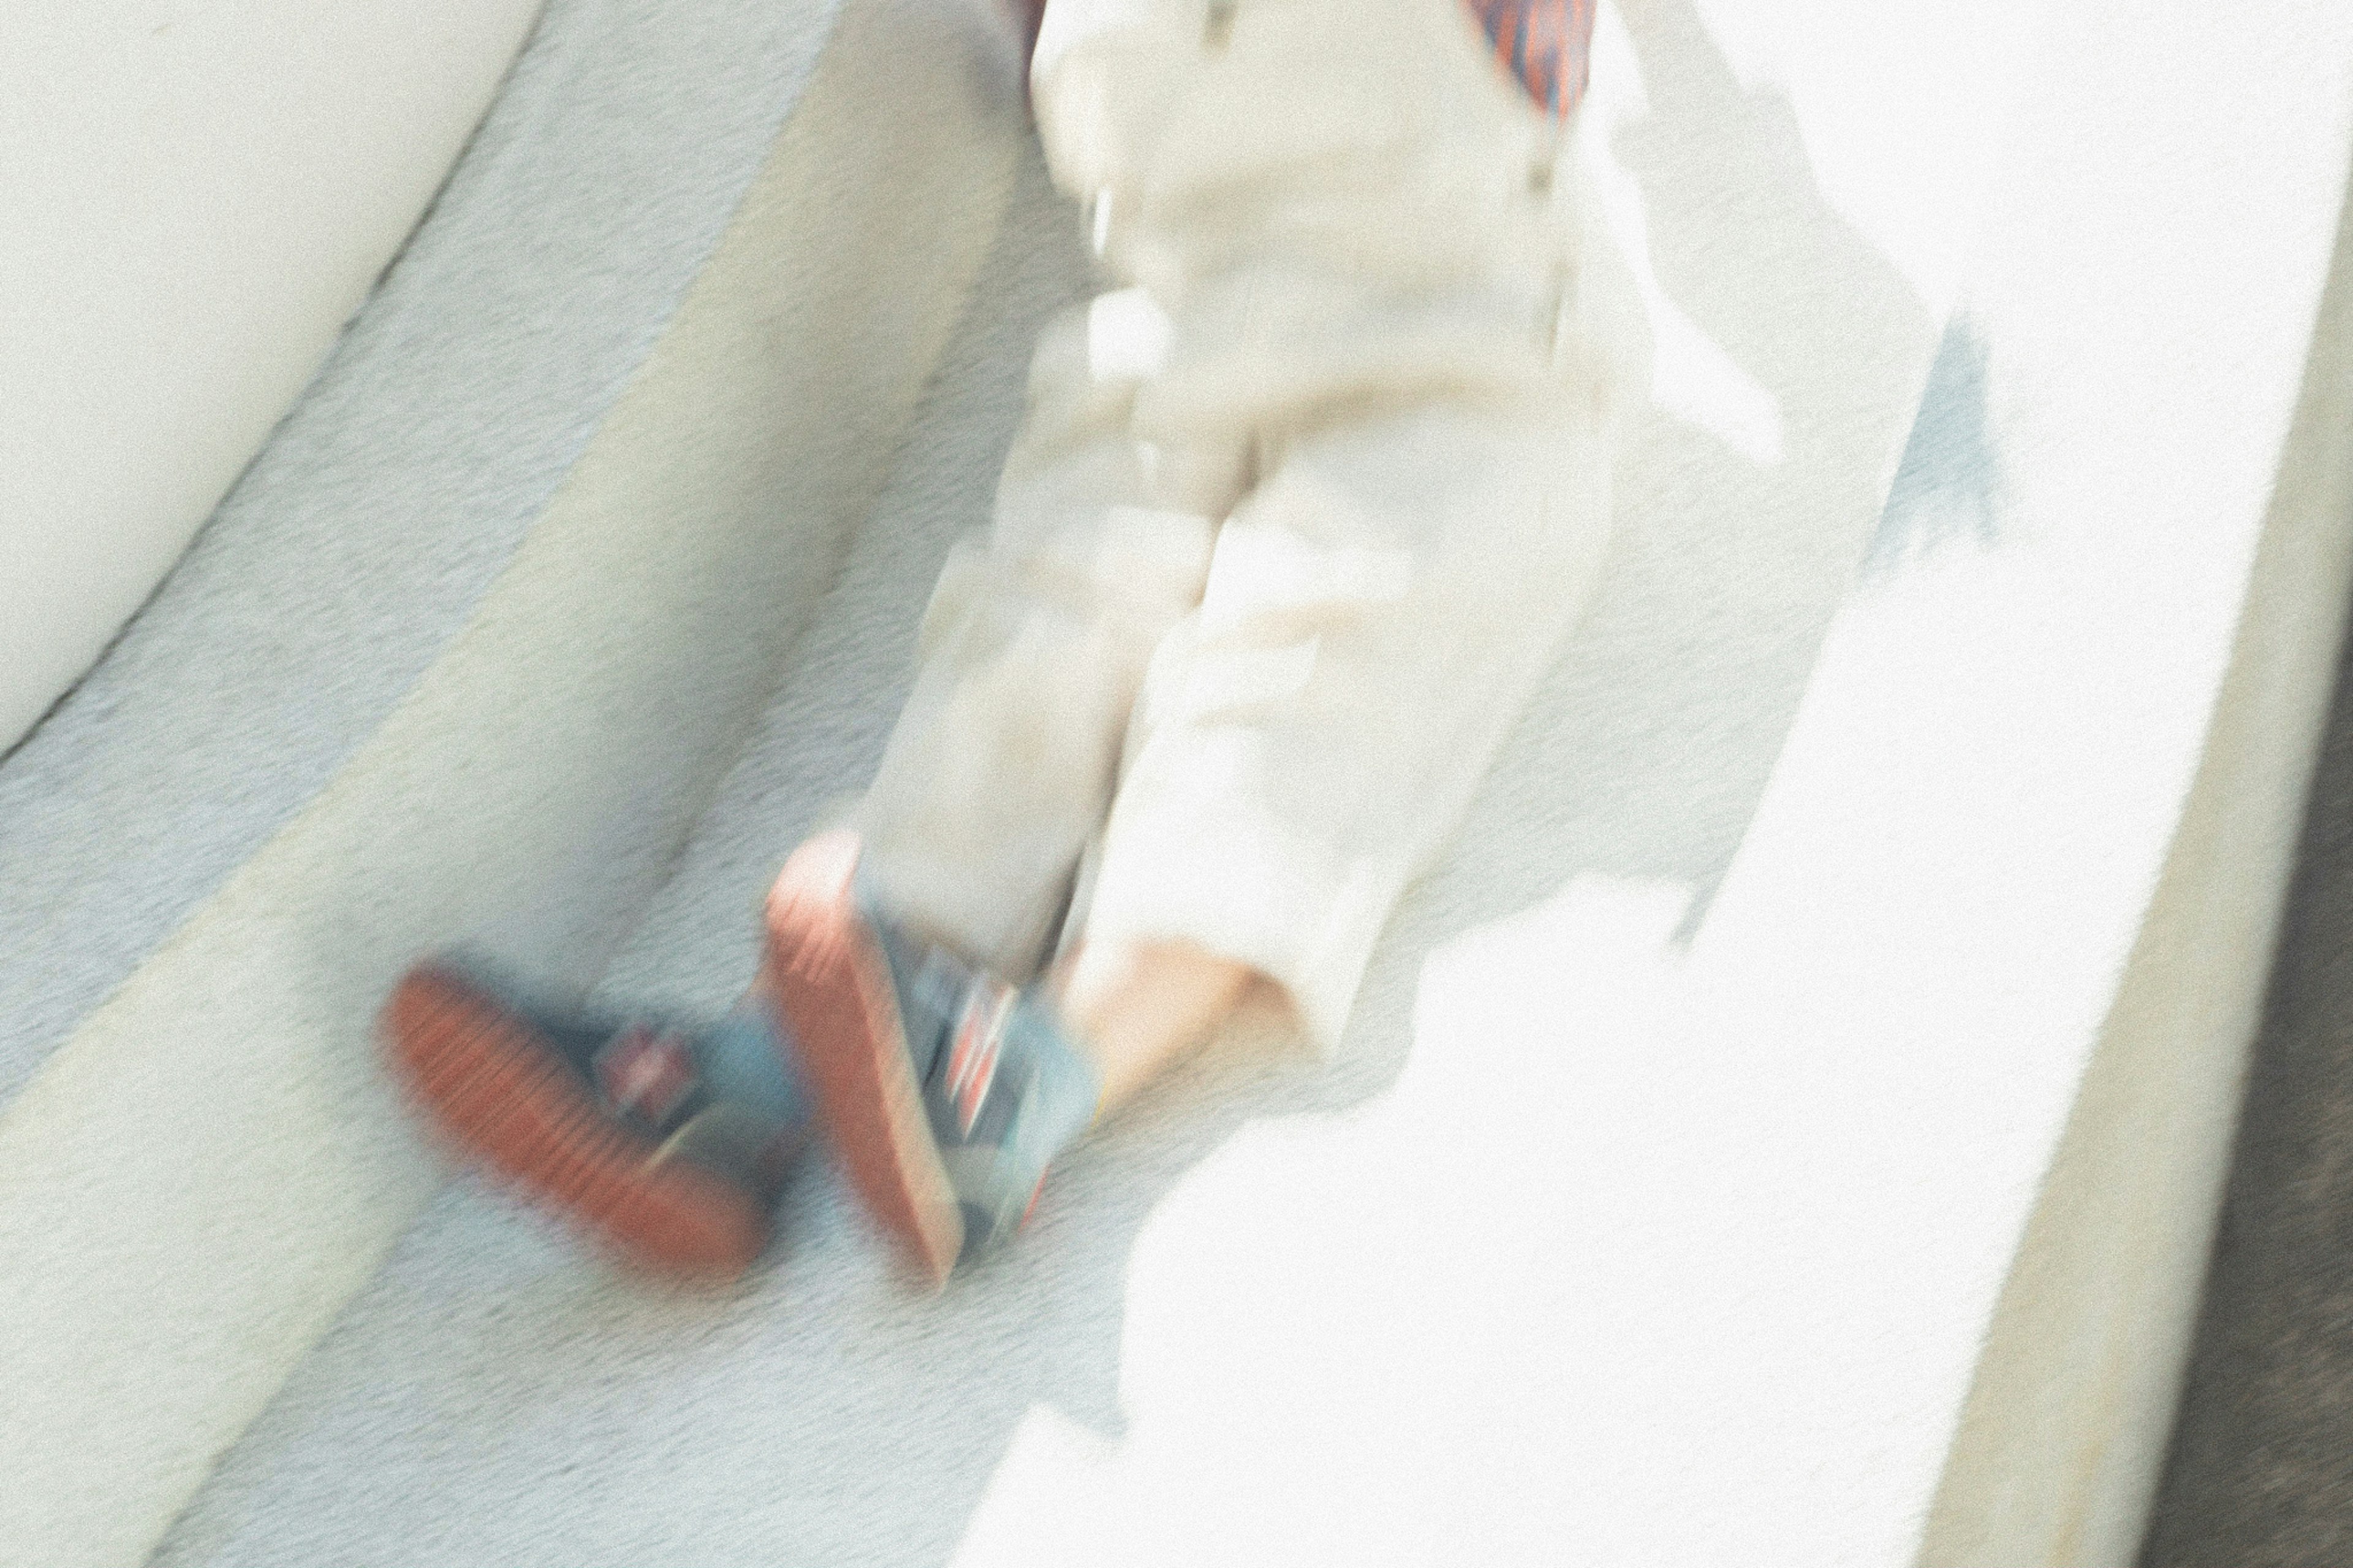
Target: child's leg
x,y
890,942
1378,613
1365,288
1381,265
1000,767
1271,836
1304,743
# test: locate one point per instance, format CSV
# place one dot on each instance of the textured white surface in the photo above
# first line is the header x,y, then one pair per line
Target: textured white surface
x,y
363,536
1664,1204
194,1182
1681,1253
195,197
2186,505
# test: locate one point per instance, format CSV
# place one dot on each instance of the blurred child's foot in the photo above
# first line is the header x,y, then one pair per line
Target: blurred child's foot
x,y
656,1139
946,1092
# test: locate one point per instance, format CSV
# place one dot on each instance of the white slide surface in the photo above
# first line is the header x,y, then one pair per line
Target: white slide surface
x,y
195,199
198,1161
1785,1130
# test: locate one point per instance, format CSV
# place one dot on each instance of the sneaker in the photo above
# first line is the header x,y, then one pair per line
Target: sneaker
x,y
609,1124
947,1092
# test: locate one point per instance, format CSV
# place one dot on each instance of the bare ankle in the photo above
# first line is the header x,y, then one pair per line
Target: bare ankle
x,y
1136,1007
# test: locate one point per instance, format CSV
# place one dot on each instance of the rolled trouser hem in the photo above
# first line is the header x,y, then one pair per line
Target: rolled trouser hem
x,y
1237,888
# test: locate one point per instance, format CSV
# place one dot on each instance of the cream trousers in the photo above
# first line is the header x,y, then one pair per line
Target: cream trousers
x,y
1296,519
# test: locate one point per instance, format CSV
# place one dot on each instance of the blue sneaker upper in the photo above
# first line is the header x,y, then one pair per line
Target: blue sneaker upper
x,y
1004,1086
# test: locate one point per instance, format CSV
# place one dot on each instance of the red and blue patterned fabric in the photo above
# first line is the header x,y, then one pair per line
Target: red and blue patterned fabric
x,y
1546,44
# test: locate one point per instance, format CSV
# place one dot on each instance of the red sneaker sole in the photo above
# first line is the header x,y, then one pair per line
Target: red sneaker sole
x,y
498,1092
834,987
